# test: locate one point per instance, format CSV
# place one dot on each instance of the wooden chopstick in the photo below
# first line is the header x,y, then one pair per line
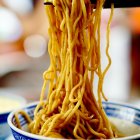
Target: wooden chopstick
x,y
117,3
120,3
48,3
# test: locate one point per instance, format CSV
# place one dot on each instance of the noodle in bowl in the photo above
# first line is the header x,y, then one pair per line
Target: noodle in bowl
x,y
71,109
125,117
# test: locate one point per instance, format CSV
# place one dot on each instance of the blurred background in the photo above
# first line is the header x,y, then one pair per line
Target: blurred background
x,y
24,56
23,45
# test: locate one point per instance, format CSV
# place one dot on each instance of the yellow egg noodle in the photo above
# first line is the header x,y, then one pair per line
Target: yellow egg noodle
x,y
71,109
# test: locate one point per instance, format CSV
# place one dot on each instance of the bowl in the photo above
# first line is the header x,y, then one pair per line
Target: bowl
x,y
125,117
4,127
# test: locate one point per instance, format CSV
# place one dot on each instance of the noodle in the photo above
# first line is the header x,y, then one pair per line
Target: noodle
x,y
71,109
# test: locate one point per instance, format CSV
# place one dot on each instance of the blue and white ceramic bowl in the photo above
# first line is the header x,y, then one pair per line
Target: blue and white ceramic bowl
x,y
125,117
4,127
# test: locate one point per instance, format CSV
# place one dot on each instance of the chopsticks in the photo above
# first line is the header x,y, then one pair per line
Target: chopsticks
x,y
120,3
48,3
117,3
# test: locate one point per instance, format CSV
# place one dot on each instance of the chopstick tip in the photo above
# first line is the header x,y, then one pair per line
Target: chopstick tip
x,y
48,3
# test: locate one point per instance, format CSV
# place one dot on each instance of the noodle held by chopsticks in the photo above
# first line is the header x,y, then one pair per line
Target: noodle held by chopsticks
x,y
71,109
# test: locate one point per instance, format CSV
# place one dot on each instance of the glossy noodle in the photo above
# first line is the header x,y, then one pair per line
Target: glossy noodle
x,y
71,109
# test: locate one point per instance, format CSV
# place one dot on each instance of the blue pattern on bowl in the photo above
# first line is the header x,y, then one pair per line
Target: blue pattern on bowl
x,y
19,136
124,112
116,110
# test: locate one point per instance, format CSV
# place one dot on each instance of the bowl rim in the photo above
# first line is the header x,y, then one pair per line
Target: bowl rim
x,y
21,99
27,134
